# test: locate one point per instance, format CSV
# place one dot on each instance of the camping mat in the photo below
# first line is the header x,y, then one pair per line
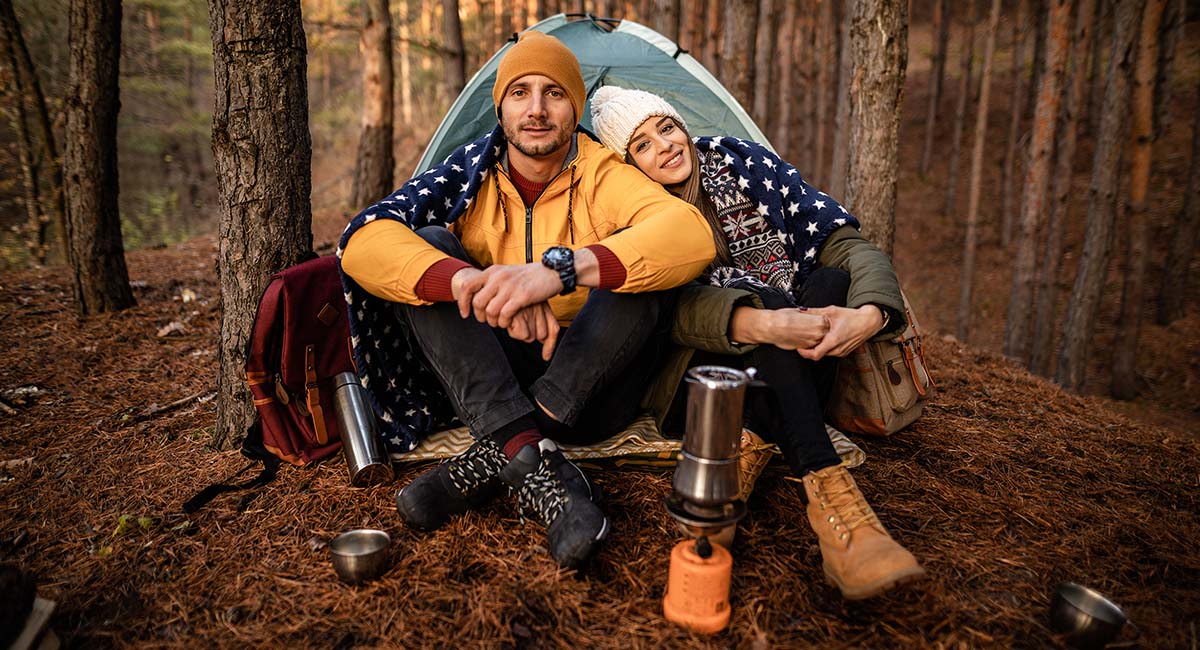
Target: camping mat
x,y
638,446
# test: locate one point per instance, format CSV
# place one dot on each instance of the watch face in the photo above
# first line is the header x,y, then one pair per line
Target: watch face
x,y
558,257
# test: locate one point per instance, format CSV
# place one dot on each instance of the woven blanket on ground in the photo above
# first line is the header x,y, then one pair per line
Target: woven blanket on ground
x,y
639,446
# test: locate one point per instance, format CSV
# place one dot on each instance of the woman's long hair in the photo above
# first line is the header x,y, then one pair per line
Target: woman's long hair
x,y
692,191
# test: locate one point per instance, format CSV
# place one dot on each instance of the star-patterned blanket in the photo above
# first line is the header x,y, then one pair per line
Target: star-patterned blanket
x,y
774,221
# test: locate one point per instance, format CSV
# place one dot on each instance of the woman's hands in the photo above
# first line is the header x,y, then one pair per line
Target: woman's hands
x,y
815,332
848,329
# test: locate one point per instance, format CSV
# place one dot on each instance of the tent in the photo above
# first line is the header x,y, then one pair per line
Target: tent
x,y
610,52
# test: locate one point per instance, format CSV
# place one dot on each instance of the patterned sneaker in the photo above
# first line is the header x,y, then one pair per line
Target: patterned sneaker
x,y
563,499
466,481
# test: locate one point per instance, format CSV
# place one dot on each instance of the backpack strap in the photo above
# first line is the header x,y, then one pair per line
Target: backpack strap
x,y
312,394
252,448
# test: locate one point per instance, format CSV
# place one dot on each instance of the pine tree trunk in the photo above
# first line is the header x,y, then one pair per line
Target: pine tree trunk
x,y
1040,18
53,205
1177,279
714,17
784,95
950,201
803,135
738,48
456,63
373,171
1102,191
262,152
1008,190
405,81
826,61
879,51
1064,168
1017,342
99,276
35,228
693,11
765,56
981,119
841,133
1124,377
666,18
1169,36
937,72
1104,18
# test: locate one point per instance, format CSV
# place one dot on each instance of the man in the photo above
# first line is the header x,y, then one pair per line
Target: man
x,y
533,213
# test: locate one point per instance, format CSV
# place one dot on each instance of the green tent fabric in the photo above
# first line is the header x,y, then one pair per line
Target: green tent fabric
x,y
630,56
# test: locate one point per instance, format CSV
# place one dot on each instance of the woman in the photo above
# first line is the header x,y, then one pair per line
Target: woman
x,y
824,290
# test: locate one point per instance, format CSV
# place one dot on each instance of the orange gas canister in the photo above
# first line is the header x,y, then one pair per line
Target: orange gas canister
x,y
698,586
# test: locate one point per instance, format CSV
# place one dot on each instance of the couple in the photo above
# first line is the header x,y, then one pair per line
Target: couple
x,y
538,281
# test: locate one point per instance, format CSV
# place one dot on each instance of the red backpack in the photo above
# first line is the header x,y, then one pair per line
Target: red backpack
x,y
300,342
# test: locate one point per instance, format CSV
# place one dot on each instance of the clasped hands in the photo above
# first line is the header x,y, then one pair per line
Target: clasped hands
x,y
513,297
815,332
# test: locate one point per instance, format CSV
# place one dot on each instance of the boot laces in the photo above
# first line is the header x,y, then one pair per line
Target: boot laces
x,y
848,504
476,466
543,493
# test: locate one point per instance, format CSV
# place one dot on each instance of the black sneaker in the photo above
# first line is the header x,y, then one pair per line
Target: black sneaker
x,y
469,480
563,499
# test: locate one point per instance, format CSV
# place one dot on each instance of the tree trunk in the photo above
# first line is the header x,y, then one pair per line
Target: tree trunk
x,y
950,201
99,277
713,19
879,51
803,135
1169,36
784,94
1008,190
1102,190
1040,18
53,204
456,64
694,13
937,71
1177,279
1124,377
1037,180
36,222
262,152
373,171
981,119
826,93
841,133
1104,17
405,81
765,56
1064,168
666,18
737,50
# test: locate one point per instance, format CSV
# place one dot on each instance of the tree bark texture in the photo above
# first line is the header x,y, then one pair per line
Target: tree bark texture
x,y
666,18
99,277
36,222
1124,372
1060,204
1177,278
803,135
950,199
374,163
981,119
1037,181
262,153
879,51
1170,33
693,11
937,72
1104,18
841,132
1008,190
784,94
714,17
456,59
826,93
45,159
1102,191
737,50
765,56
405,81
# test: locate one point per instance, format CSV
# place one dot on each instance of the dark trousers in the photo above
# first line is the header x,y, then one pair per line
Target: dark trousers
x,y
790,410
594,383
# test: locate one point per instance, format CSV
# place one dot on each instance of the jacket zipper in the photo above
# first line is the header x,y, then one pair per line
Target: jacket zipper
x,y
529,211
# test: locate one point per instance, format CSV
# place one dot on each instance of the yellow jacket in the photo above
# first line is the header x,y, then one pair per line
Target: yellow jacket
x,y
664,242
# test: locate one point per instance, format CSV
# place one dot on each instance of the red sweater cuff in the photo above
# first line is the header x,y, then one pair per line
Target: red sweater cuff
x,y
612,271
434,285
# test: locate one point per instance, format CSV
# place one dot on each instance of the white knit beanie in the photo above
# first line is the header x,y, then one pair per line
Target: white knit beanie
x,y
618,112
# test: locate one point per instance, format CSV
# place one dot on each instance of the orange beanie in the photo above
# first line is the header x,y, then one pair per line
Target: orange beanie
x,y
540,53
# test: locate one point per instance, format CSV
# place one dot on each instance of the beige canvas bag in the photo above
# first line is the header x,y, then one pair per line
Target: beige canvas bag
x,y
882,386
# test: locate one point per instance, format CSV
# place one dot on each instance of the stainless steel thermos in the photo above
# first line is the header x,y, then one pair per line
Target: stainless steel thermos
x,y
365,456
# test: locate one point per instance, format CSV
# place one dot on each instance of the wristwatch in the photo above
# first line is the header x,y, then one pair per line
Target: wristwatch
x,y
562,260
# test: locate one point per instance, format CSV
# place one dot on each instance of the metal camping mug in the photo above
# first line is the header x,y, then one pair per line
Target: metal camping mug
x,y
365,457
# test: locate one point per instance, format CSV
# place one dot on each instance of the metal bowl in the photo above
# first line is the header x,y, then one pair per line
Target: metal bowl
x,y
1084,616
360,555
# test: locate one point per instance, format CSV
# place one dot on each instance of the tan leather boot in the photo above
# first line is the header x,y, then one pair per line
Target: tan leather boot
x,y
753,456
860,558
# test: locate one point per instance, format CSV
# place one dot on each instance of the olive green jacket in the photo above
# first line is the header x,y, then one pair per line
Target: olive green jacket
x,y
703,313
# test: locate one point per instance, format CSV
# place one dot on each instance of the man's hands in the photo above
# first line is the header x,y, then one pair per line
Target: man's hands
x,y
848,329
511,296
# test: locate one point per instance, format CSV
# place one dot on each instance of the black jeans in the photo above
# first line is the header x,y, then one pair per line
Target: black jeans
x,y
594,383
790,411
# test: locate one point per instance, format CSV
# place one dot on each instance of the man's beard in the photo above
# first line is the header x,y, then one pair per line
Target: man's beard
x,y
561,132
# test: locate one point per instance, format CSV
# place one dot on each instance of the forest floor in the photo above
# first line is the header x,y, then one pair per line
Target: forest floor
x,y
1006,487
